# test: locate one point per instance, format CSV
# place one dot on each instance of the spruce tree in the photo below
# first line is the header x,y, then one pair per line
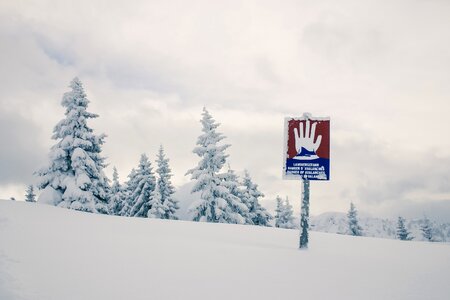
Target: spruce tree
x,y
353,225
127,189
288,220
142,194
257,215
30,196
279,212
239,211
216,202
163,206
116,197
403,233
427,229
76,166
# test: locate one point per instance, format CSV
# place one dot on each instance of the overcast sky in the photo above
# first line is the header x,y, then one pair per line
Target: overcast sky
x,y
379,69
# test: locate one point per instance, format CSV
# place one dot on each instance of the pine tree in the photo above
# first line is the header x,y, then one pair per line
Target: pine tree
x,y
288,216
30,196
76,166
257,215
142,194
215,203
427,229
163,206
117,199
239,211
402,233
353,225
127,190
279,212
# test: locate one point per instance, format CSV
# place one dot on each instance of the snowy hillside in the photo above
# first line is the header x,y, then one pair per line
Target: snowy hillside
x,y
335,222
54,253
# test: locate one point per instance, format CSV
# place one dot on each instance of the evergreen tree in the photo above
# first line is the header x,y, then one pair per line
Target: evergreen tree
x,y
257,215
427,229
163,206
30,196
239,211
76,166
279,212
402,233
127,190
353,225
216,202
158,209
142,194
288,220
116,197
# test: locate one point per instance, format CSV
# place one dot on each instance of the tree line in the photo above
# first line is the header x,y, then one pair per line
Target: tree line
x,y
402,232
74,177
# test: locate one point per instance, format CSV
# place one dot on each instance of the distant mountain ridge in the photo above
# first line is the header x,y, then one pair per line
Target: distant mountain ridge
x,y
336,222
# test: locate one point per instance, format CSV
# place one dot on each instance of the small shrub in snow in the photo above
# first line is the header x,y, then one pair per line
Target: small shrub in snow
x,y
30,196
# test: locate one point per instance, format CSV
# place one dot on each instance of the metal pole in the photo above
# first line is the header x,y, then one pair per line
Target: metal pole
x,y
304,215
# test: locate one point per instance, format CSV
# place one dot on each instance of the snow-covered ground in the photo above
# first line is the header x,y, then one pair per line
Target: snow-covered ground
x,y
54,253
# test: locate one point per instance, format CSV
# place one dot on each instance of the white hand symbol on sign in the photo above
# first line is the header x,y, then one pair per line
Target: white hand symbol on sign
x,y
305,139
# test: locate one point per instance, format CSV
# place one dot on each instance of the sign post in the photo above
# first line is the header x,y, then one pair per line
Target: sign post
x,y
306,157
304,215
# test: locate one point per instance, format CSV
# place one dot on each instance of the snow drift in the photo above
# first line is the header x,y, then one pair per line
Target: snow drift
x,y
53,253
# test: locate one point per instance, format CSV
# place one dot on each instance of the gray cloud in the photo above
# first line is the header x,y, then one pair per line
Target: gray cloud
x,y
21,151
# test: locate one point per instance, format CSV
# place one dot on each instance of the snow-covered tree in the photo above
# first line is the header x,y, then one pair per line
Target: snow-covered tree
x,y
284,214
30,196
257,215
427,229
163,206
402,232
279,212
74,177
289,220
353,224
116,197
127,190
216,202
239,210
144,182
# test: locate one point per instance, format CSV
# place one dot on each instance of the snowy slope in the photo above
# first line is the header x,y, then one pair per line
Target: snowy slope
x,y
54,253
336,222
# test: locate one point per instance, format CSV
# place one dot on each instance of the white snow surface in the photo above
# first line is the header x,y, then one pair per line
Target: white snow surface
x,y
49,196
48,252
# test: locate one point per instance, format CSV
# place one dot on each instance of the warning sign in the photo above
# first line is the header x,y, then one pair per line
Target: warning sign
x,y
307,148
